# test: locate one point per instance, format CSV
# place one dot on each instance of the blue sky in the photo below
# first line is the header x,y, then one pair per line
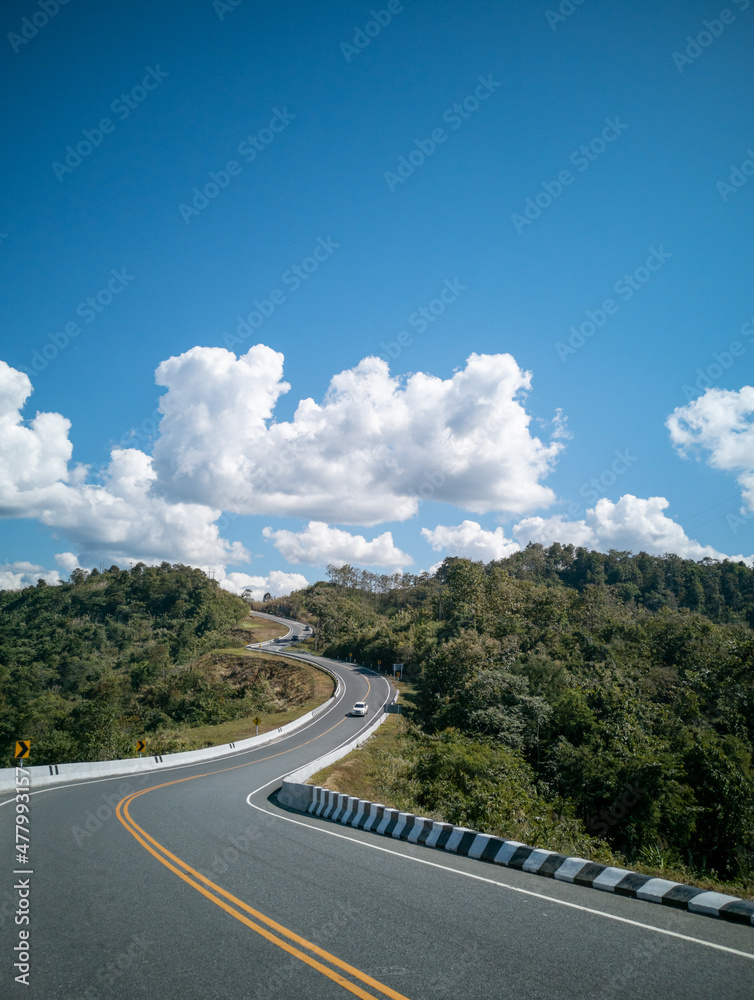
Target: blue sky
x,y
561,194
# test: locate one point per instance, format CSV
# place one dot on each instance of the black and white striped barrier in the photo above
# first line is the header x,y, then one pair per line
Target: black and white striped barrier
x,y
376,818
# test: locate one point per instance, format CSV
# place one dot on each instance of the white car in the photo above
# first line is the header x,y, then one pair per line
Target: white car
x,y
360,708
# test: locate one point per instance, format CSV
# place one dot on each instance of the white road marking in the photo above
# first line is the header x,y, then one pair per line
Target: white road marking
x,y
492,881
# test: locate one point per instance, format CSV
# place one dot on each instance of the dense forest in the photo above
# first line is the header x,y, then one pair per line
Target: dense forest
x,y
608,696
90,666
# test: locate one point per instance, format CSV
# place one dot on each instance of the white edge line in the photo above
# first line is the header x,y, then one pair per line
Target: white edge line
x,y
491,881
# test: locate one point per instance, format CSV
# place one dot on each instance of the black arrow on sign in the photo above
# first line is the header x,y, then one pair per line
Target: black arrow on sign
x,y
141,746
22,748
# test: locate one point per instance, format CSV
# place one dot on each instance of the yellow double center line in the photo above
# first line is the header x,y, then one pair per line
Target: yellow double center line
x,y
269,929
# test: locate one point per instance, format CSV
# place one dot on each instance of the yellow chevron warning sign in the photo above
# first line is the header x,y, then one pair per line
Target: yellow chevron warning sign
x,y
22,748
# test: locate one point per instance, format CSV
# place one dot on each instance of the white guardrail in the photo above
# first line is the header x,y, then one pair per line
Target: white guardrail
x,y
55,774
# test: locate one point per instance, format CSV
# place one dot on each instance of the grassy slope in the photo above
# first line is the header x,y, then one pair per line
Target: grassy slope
x,y
318,684
260,630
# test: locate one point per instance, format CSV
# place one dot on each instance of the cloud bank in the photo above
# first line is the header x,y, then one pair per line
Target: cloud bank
x,y
372,451
631,523
276,583
14,576
318,544
470,540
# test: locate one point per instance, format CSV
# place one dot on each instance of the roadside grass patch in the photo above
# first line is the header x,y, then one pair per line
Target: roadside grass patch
x,y
375,770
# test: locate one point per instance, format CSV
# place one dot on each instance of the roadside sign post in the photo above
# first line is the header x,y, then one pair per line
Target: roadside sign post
x,y
141,746
256,722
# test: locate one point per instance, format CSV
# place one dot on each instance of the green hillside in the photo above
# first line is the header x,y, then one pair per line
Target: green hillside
x,y
89,667
587,697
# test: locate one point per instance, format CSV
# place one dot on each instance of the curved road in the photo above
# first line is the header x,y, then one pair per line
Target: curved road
x,y
198,885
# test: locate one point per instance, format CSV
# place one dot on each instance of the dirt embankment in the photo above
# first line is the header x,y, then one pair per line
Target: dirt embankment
x,y
290,683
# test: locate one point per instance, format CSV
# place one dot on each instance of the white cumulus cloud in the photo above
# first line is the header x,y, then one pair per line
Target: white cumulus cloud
x,y
123,517
318,543
33,459
371,451
720,422
471,541
14,576
277,583
631,523
68,561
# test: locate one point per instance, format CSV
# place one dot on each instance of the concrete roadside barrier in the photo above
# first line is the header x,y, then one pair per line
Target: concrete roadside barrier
x,y
44,775
374,817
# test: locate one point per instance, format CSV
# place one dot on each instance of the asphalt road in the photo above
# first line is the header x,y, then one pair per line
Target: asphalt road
x,y
202,887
